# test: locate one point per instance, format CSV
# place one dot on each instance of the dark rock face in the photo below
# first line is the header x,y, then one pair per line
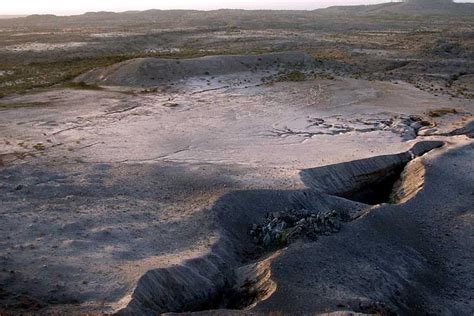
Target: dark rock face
x,y
279,229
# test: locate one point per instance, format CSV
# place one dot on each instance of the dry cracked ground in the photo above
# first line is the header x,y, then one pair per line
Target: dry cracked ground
x,y
245,189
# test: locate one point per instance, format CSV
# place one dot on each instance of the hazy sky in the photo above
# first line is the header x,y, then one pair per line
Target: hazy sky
x,y
81,6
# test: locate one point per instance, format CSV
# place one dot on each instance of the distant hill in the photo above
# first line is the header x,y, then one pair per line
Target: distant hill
x,y
243,18
408,7
11,16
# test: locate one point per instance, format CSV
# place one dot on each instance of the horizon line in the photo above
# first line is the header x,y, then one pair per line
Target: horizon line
x,y
78,13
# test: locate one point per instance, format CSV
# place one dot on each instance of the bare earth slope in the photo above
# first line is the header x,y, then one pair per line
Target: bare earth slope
x,y
148,72
406,259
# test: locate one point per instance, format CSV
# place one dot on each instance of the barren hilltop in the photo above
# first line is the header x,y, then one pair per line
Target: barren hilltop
x,y
407,7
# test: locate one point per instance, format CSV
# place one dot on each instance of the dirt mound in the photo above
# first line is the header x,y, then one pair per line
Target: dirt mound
x,y
148,72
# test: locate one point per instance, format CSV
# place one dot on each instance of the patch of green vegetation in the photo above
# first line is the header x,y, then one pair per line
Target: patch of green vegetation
x,y
23,76
442,112
7,106
81,86
454,78
42,74
292,76
323,76
39,146
149,90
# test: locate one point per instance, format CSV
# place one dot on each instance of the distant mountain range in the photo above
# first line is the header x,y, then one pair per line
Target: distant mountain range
x,y
245,18
11,16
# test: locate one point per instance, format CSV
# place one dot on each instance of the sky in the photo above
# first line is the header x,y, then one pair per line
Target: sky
x,y
67,7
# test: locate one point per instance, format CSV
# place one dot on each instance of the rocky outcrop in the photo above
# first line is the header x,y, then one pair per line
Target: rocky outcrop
x,y
366,180
410,183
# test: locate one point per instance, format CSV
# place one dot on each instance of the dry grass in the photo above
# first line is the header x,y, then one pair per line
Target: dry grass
x,y
7,106
442,112
292,76
81,86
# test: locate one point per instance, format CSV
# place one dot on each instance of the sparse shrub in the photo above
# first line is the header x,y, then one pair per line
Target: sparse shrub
x,y
81,86
39,146
292,76
6,106
442,112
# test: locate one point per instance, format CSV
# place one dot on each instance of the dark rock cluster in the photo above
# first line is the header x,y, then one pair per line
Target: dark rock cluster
x,y
280,228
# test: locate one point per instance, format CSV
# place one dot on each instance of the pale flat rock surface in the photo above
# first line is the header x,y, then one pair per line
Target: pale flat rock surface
x,y
99,187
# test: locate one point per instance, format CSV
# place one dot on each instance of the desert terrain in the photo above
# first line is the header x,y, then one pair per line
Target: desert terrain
x,y
238,162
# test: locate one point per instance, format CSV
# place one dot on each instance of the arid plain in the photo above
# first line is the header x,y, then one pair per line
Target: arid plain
x,y
238,162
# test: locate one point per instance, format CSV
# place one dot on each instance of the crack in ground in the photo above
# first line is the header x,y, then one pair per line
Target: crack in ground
x,y
405,126
236,273
164,156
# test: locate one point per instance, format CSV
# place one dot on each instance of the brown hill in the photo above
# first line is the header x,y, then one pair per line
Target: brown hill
x,y
241,18
409,7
